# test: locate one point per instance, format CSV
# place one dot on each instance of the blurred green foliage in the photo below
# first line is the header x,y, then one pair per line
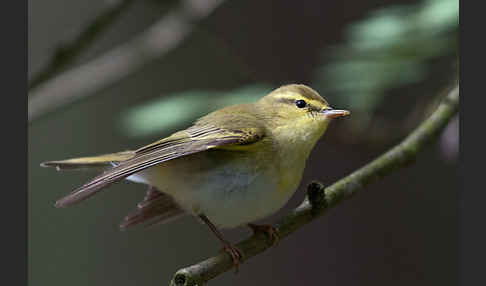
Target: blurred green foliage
x,y
388,49
169,112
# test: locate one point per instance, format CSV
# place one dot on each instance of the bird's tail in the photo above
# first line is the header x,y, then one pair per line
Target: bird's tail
x,y
156,208
90,162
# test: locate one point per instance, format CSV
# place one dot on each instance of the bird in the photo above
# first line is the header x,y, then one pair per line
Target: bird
x,y
230,168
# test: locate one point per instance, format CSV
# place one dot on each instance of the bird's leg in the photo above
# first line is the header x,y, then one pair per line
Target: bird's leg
x,y
234,252
268,229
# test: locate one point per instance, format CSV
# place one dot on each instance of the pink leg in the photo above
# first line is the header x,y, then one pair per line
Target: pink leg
x,y
227,247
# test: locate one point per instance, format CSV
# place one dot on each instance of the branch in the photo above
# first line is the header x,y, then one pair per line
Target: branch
x,y
126,59
320,199
68,51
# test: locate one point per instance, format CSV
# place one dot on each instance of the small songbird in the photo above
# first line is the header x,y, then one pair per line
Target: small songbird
x,y
232,167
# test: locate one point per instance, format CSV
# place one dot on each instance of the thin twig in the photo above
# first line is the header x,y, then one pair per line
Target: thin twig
x,y
68,51
320,199
96,75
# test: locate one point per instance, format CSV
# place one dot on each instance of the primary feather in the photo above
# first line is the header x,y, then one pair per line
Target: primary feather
x,y
90,162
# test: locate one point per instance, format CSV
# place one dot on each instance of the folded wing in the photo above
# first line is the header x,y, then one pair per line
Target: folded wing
x,y
198,138
90,162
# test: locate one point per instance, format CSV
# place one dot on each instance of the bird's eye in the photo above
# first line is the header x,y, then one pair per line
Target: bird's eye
x,y
301,103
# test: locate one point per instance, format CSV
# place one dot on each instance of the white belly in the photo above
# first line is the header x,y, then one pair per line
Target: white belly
x,y
235,200
229,196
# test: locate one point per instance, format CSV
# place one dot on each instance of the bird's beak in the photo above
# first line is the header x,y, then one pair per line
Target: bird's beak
x,y
334,113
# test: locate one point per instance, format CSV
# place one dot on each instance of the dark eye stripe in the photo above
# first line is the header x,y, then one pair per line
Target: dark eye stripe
x,y
286,100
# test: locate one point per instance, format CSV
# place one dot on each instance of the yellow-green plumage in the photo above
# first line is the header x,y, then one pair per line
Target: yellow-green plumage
x,y
235,165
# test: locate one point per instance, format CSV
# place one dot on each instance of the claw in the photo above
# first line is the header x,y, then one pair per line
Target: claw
x,y
268,229
235,254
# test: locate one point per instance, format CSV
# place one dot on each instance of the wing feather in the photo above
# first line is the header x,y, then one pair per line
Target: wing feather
x,y
89,162
197,138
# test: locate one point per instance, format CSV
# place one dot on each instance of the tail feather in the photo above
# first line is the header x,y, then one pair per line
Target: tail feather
x,y
89,162
155,208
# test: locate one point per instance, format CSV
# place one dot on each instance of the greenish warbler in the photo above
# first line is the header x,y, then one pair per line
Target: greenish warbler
x,y
232,167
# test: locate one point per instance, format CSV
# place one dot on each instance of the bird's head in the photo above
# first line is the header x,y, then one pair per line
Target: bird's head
x,y
298,114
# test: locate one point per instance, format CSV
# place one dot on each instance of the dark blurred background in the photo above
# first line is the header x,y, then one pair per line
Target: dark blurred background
x,y
129,82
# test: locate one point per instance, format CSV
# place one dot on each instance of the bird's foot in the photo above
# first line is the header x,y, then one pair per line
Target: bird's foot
x,y
268,229
235,254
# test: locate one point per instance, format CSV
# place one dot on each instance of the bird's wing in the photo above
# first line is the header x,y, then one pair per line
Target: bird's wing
x,y
90,162
200,137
